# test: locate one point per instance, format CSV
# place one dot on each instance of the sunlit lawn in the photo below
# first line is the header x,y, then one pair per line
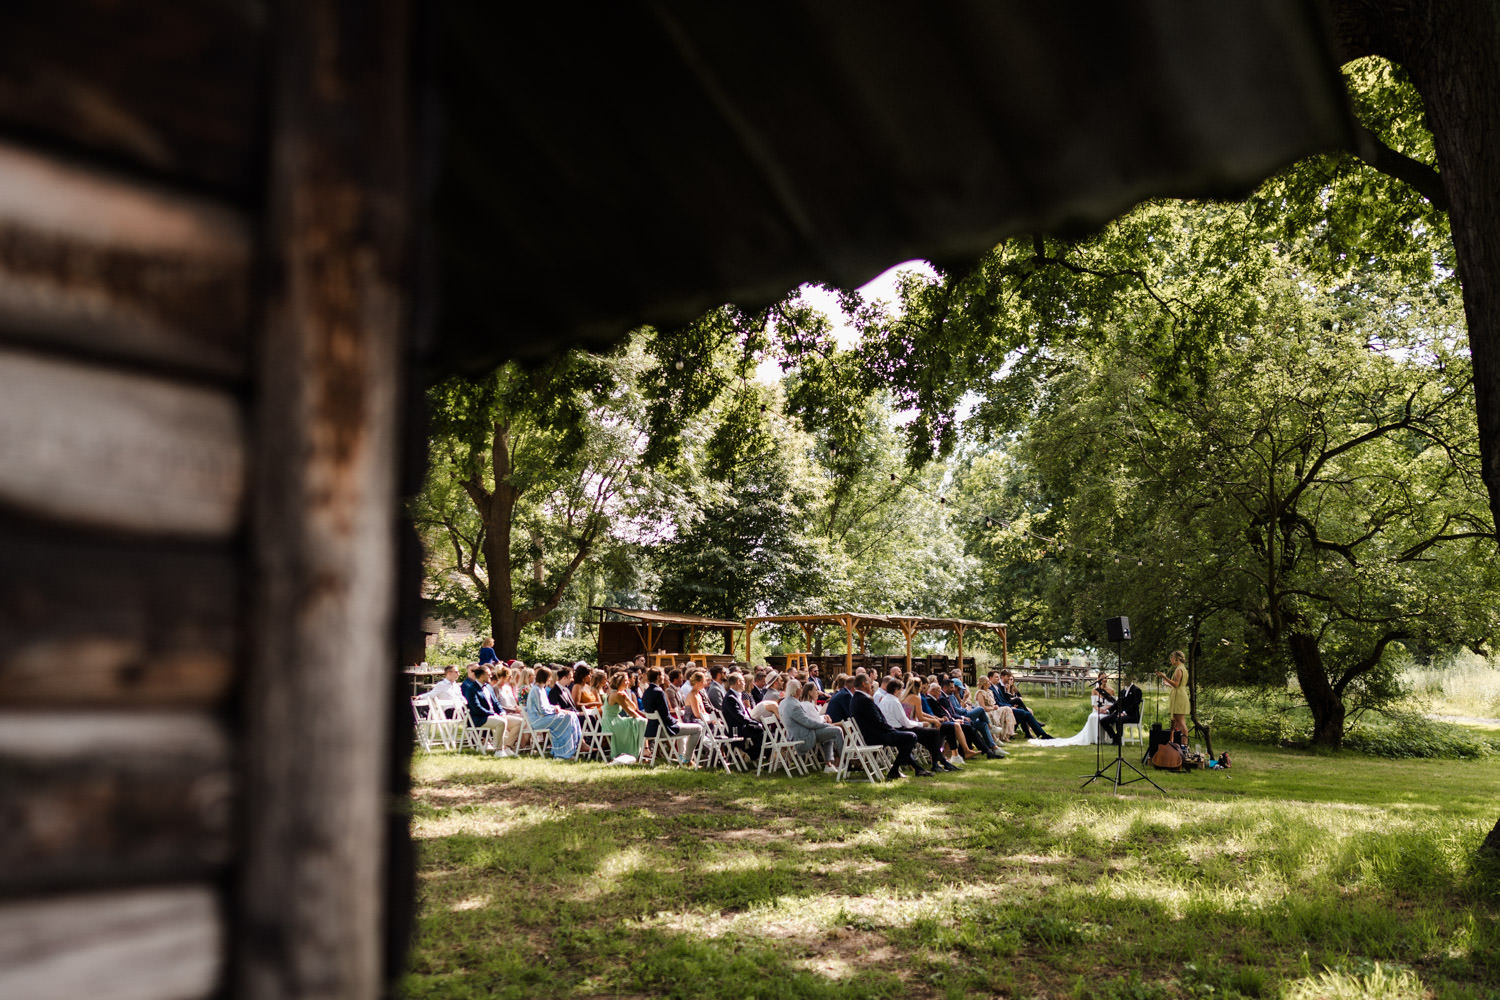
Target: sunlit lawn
x,y
1292,875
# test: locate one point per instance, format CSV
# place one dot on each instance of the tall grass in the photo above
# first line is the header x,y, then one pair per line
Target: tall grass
x,y
1464,684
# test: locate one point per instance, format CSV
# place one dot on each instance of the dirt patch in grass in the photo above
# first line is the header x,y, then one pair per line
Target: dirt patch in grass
x,y
449,795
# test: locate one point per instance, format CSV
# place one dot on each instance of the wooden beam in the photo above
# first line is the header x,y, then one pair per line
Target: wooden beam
x,y
93,263
848,644
98,798
959,631
115,450
135,624
310,920
142,944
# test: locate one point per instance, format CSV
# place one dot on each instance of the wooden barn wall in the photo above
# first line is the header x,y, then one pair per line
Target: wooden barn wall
x,y
203,300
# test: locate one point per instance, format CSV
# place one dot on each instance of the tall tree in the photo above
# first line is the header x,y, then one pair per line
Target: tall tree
x,y
533,473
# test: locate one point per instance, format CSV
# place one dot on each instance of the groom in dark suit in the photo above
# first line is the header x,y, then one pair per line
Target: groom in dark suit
x,y
1127,708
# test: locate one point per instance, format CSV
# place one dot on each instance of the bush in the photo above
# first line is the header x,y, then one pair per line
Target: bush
x,y
441,654
537,649
1393,736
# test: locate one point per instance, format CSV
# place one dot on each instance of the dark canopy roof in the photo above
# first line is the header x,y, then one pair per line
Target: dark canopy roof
x,y
613,164
670,617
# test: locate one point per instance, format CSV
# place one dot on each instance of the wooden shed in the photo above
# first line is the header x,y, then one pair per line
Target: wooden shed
x,y
237,237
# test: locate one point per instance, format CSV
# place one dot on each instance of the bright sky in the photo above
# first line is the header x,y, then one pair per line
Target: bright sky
x,y
880,288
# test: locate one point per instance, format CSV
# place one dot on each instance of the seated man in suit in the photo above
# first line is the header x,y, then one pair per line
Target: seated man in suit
x,y
659,716
560,693
1127,708
878,732
837,708
737,716
484,711
716,687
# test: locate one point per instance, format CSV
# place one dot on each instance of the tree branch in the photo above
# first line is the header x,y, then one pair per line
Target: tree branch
x,y
1424,179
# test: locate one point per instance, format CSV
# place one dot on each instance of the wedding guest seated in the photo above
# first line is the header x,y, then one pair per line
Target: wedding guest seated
x,y
541,713
887,698
757,690
1002,718
1006,693
484,711
559,692
737,716
716,686
810,727
813,678
504,700
974,715
673,689
769,705
659,718
837,708
874,730
625,723
447,695
695,706
917,708
587,685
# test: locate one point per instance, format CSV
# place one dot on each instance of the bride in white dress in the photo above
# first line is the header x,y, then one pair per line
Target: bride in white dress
x,y
1091,732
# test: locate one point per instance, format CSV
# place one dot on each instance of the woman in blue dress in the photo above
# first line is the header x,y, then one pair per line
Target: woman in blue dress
x,y
542,714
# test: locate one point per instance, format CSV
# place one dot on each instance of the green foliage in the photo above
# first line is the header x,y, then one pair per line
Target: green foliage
x,y
534,648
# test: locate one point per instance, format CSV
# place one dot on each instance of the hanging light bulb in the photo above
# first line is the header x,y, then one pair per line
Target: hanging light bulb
x,y
988,523
1117,560
1138,562
893,477
942,500
678,364
762,408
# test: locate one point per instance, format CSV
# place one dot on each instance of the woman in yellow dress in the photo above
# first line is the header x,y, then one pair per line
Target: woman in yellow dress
x,y
1177,701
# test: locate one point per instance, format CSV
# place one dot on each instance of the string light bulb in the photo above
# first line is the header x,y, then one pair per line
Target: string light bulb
x,y
988,523
678,364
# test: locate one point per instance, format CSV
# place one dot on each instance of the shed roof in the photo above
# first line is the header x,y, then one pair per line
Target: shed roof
x,y
609,165
670,617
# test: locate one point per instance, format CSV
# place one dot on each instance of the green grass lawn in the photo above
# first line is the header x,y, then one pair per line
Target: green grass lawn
x,y
1294,875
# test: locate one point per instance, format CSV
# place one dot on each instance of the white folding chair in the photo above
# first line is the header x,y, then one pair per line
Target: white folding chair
x,y
874,761
595,737
535,740
721,749
778,750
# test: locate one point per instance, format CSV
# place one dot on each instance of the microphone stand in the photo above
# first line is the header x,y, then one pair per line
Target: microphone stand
x,y
1118,765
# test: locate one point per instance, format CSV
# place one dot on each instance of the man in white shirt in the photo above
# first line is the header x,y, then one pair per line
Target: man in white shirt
x,y
446,693
890,706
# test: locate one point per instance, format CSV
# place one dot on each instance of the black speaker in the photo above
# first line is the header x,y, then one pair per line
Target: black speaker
x,y
1118,629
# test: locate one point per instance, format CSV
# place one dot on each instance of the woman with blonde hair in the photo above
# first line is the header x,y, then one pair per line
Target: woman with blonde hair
x,y
1002,718
625,722
1177,701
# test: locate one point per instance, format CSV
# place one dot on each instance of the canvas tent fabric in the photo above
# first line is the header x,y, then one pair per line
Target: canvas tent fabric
x,y
606,166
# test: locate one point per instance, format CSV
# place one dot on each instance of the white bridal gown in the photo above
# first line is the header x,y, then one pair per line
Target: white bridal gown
x,y
1090,734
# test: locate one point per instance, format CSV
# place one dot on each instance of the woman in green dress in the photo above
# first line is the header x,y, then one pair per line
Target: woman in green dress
x,y
624,721
1177,701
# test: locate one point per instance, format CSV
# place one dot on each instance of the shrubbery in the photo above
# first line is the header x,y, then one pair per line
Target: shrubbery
x,y
1397,736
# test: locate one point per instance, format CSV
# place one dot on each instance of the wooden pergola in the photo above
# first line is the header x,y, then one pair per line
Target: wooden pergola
x,y
649,624
854,623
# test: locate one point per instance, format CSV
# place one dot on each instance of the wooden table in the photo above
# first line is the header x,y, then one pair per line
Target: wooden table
x,y
701,659
795,660
669,658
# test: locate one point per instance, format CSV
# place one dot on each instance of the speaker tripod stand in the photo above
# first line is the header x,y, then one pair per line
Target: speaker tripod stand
x,y
1113,771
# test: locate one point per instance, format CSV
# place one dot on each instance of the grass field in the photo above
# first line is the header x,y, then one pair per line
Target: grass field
x,y
1294,875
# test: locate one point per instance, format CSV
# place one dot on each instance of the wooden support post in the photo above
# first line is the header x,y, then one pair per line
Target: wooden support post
x,y
848,644
1004,652
908,629
959,630
807,637
749,630
311,894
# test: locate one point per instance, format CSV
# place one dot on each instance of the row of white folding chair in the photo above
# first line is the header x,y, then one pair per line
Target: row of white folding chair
x,y
777,749
719,749
433,727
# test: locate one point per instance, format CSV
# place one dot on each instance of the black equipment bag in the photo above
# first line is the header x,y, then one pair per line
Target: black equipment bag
x,y
1159,736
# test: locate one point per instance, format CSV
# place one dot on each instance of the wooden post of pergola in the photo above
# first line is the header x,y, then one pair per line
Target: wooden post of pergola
x,y
1004,651
807,637
958,630
749,629
848,644
908,629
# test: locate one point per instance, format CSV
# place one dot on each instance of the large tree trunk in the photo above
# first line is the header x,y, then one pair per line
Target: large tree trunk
x,y
1327,707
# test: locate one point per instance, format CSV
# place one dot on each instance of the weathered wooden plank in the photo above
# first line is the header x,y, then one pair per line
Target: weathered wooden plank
x,y
118,268
323,535
148,944
119,450
165,86
90,798
134,624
